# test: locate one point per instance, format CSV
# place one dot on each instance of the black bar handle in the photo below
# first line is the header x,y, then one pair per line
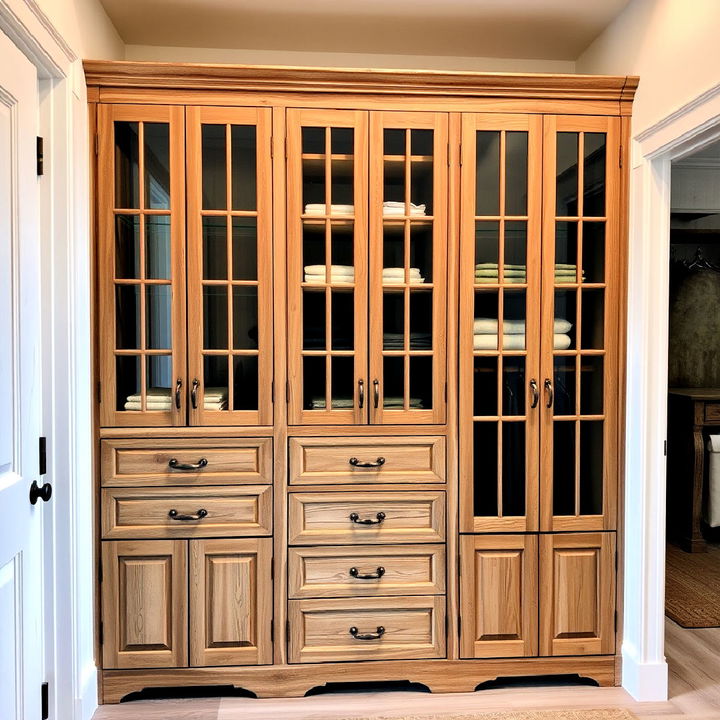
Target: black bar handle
x,y
368,636
535,393
368,521
356,463
361,394
178,388
376,393
550,392
354,572
193,393
176,465
201,513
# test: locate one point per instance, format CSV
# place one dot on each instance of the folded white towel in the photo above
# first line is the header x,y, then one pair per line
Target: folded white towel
x,y
215,393
150,405
561,341
398,208
401,281
516,342
334,280
216,405
495,266
320,209
400,272
489,326
494,273
335,269
154,393
398,402
494,280
320,404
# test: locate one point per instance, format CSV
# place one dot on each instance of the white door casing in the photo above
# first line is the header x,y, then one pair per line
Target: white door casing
x,y
21,665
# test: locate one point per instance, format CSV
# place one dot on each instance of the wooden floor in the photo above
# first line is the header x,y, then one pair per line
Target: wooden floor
x,y
693,656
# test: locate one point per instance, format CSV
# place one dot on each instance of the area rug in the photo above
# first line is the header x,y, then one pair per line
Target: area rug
x,y
692,588
601,714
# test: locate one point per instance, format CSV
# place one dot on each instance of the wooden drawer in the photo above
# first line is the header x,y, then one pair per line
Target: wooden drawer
x,y
234,461
145,512
323,461
366,571
412,628
320,518
712,412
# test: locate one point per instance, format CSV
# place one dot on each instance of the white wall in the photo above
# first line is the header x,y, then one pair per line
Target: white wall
x,y
671,44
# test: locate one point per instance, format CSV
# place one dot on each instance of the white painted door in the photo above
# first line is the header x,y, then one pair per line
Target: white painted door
x,y
20,391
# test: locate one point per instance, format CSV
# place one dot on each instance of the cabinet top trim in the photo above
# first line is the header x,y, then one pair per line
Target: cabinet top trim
x,y
347,80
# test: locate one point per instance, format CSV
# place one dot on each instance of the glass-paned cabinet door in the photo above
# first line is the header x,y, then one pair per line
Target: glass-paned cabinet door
x,y
581,275
141,273
327,266
229,266
408,266
501,203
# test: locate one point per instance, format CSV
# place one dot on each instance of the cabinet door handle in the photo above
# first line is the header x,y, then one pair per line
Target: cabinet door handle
x,y
368,576
174,515
356,463
193,393
176,465
354,517
178,388
368,636
361,394
550,392
535,393
376,393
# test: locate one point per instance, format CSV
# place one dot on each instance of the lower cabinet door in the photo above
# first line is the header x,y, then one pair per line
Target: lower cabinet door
x,y
498,595
230,602
145,610
577,594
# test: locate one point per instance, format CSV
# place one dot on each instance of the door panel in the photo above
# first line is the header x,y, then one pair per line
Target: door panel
x,y
577,594
498,595
500,286
229,266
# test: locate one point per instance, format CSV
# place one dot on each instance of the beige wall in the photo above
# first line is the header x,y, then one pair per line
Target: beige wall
x,y
351,60
86,27
673,45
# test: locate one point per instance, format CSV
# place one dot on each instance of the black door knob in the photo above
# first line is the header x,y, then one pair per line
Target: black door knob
x,y
43,493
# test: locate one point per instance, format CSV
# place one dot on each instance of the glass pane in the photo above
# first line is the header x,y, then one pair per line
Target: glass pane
x,y
393,253
394,179
485,459
126,165
157,247
214,248
245,383
421,382
343,320
393,388
421,142
594,177
244,167
393,141
485,325
593,319
564,385
421,187
313,320
127,317
313,170
514,320
127,246
313,140
514,387
314,383
564,336
159,382
215,317
215,390
214,167
157,165
245,317
593,252
513,470
485,386
516,173
487,240
421,320
314,251
158,320
591,390
343,383
487,173
341,141
393,321
591,468
566,247
421,254
342,248
515,251
127,374
244,248
342,192
564,468
567,174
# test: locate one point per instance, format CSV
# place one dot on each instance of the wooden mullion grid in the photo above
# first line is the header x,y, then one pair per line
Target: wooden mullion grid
x,y
578,313
143,309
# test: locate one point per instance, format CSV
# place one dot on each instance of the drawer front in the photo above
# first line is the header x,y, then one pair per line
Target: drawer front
x,y
323,461
712,412
366,629
134,463
366,571
186,512
320,518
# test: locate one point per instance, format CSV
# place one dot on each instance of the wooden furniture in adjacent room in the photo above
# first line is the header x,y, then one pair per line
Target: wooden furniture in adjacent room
x,y
359,341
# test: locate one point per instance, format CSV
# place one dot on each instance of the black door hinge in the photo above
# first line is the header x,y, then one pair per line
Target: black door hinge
x,y
621,156
616,621
287,391
287,630
665,448
272,630
45,701
42,456
459,625
272,568
40,156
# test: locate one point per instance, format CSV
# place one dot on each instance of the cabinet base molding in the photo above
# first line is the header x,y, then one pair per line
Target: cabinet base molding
x,y
443,676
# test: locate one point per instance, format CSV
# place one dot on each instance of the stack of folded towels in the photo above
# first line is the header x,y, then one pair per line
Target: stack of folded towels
x,y
397,403
398,208
396,276
393,403
513,274
485,334
567,273
215,398
160,399
321,209
396,341
316,274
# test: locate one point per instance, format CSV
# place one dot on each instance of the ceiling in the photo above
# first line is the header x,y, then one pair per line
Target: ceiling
x,y
531,29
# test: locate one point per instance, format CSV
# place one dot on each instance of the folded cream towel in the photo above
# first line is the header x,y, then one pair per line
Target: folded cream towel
x,y
338,403
154,393
494,280
489,326
334,269
516,342
320,209
400,272
494,273
150,405
398,208
495,266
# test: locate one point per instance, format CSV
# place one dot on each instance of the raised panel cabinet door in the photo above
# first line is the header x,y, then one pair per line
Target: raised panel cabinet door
x,y
141,265
230,602
499,344
582,267
144,601
408,267
499,596
230,293
577,594
327,266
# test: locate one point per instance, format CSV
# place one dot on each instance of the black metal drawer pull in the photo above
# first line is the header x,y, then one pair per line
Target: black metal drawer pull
x,y
356,463
199,465
369,636
201,513
368,521
369,576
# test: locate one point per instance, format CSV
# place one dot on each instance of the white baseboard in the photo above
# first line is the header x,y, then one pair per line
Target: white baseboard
x,y
646,682
87,701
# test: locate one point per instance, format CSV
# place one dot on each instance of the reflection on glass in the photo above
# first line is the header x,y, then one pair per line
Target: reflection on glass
x,y
487,173
516,173
515,249
215,317
485,459
343,321
487,234
313,320
158,377
244,248
157,247
393,141
313,140
594,251
567,174
214,167
245,317
566,235
513,470
564,468
421,382
157,165
594,175
214,231
245,382
127,374
591,467
244,167
157,316
485,386
127,246
341,141
421,142
127,317
513,390
591,385
564,385
126,165
593,319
